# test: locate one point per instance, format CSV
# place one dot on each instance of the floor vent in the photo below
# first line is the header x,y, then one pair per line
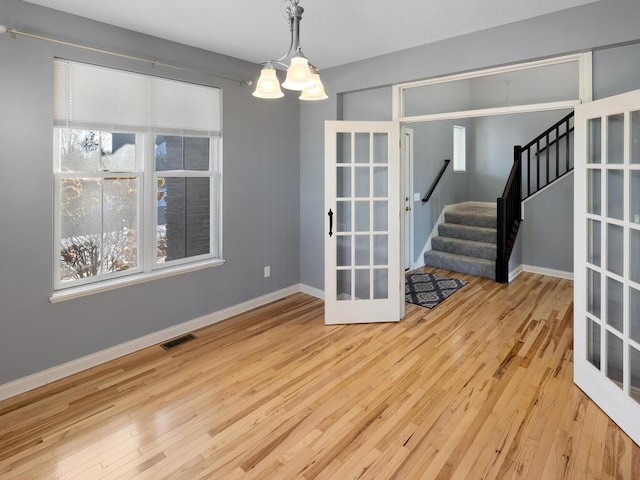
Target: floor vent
x,y
177,341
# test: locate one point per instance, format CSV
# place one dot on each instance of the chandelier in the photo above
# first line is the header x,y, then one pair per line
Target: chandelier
x,y
301,75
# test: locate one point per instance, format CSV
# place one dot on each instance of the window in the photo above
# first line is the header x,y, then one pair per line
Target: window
x,y
137,173
459,149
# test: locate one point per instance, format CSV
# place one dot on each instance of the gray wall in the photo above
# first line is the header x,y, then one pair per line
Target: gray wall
x,y
577,29
492,153
432,144
548,226
261,188
371,104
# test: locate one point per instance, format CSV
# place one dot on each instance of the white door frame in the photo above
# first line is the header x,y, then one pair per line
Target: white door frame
x,y
407,194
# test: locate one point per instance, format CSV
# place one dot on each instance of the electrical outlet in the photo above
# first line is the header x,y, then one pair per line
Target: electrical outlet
x,y
267,271
416,196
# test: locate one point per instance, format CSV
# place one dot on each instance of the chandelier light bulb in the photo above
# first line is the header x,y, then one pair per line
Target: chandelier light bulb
x,y
298,75
316,92
268,85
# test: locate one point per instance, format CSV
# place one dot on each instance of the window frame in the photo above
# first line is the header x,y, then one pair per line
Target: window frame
x,y
147,265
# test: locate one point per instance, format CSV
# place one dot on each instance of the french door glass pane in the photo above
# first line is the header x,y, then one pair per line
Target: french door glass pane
x,y
593,343
593,292
363,284
343,153
615,253
615,140
381,283
594,244
343,253
594,131
362,152
634,253
614,304
343,285
635,137
362,253
615,194
614,358
380,147
363,183
634,361
363,221
594,186
343,216
380,250
634,197
380,182
343,181
634,314
380,216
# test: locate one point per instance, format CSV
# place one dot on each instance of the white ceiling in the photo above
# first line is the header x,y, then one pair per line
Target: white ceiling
x,y
333,32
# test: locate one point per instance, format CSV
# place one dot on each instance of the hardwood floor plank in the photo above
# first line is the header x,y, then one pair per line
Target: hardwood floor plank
x,y
478,388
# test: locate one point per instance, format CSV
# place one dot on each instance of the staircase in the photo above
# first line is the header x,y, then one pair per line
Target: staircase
x,y
466,241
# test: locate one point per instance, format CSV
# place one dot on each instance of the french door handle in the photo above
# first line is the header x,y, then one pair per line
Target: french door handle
x,y
330,222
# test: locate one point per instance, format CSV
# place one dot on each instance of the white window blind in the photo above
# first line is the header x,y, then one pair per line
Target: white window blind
x,y
89,96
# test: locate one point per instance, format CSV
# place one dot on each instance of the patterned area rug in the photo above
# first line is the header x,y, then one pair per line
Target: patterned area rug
x,y
428,290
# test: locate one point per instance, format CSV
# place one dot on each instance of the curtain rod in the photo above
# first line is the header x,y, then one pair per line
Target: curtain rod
x,y
155,63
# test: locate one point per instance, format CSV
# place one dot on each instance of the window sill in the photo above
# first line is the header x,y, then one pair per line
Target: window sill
x,y
106,285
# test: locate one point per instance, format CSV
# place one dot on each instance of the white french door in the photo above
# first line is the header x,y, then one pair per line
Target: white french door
x,y
607,256
363,253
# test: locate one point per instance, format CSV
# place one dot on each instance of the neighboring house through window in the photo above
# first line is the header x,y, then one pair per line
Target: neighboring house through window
x,y
137,172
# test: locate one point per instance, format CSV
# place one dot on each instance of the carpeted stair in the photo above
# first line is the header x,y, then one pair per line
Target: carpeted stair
x,y
466,241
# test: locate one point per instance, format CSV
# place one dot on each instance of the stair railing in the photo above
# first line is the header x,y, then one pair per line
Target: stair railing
x,y
509,208
540,151
509,217
435,182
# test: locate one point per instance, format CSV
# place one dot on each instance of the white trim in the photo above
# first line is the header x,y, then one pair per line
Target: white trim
x,y
549,272
515,272
585,89
125,281
313,291
397,103
586,77
407,177
52,374
487,112
434,233
495,70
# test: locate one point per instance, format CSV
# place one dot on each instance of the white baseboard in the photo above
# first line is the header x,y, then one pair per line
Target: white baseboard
x,y
515,272
548,271
52,374
314,292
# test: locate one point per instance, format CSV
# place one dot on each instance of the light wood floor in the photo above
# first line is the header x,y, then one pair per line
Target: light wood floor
x,y
478,388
